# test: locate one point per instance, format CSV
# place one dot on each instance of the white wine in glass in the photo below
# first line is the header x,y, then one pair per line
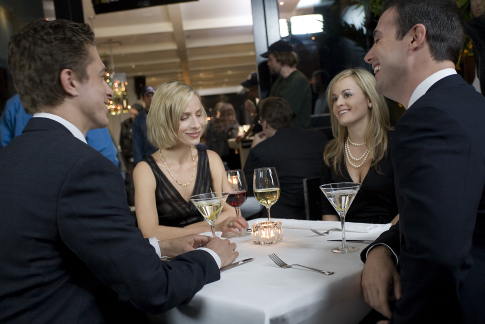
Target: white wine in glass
x,y
341,195
267,197
266,187
210,206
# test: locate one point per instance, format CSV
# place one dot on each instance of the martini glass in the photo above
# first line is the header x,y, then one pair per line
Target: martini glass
x,y
341,196
210,206
234,183
266,187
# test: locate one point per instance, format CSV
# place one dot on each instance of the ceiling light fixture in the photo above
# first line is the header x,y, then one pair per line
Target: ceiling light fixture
x,y
118,83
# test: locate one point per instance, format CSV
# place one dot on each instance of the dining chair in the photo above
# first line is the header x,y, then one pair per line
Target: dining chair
x,y
313,198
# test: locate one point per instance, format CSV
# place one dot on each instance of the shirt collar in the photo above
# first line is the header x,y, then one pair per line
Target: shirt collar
x,y
73,129
428,82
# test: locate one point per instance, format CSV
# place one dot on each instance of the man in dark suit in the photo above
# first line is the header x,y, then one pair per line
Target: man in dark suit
x,y
296,154
438,155
70,251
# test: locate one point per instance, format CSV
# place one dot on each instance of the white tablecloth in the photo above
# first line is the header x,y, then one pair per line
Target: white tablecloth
x,y
259,292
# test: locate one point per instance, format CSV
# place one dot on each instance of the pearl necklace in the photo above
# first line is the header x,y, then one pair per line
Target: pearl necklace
x,y
349,155
170,173
354,144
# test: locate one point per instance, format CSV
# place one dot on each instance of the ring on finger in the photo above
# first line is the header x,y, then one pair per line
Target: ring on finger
x,y
230,224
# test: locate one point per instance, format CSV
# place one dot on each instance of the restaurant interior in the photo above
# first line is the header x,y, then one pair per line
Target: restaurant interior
x,y
213,46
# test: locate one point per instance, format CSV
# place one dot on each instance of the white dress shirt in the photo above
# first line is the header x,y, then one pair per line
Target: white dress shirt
x,y
428,83
73,129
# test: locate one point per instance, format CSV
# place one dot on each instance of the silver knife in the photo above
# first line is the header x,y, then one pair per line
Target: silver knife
x,y
354,241
237,263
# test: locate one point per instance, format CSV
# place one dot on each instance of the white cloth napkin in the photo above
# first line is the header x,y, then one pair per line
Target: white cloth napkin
x,y
326,225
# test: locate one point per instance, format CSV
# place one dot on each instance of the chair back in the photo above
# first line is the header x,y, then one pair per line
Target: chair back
x,y
322,123
313,198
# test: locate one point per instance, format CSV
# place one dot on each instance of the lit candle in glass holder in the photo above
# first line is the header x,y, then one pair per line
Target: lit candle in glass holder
x,y
267,232
233,180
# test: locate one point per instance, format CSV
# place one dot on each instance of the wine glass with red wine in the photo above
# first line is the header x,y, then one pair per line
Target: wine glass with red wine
x,y
234,183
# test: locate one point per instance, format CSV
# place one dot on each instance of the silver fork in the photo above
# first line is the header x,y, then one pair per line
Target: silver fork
x,y
282,264
326,232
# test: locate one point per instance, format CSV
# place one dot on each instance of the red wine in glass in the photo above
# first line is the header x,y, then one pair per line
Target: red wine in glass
x,y
236,198
234,183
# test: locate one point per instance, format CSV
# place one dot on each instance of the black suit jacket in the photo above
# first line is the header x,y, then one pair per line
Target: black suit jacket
x,y
68,245
296,154
438,155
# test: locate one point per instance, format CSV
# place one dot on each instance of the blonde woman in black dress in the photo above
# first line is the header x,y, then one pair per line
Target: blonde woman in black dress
x,y
360,151
165,180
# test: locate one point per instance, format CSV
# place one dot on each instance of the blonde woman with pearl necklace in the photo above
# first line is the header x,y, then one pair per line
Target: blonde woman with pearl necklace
x,y
360,149
165,180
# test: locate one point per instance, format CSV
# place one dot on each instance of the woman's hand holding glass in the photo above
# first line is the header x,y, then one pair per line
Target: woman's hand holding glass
x,y
232,226
234,183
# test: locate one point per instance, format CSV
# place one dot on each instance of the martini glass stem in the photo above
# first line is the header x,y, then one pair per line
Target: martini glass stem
x,y
342,221
213,229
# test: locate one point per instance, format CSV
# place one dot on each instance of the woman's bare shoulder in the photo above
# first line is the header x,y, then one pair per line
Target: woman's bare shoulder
x,y
142,170
214,158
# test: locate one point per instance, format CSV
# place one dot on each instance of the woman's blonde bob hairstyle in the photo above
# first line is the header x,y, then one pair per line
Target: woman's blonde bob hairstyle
x,y
376,132
167,106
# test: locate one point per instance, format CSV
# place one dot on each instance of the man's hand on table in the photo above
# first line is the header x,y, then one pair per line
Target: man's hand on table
x,y
378,276
225,249
174,247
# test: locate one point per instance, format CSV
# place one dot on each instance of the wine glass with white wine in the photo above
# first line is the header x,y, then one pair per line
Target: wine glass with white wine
x,y
210,206
266,187
341,195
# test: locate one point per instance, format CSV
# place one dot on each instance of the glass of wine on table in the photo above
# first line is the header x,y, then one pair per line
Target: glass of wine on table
x,y
234,183
210,206
266,187
341,195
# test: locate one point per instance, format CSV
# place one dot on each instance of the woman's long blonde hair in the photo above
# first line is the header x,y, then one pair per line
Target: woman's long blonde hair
x,y
376,132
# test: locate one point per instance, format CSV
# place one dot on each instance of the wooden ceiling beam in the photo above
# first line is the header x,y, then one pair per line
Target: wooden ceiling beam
x,y
178,33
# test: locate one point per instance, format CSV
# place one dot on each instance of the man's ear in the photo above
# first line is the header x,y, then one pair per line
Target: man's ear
x,y
418,36
69,82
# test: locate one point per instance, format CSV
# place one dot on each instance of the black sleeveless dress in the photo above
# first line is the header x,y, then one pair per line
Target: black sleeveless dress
x,y
173,209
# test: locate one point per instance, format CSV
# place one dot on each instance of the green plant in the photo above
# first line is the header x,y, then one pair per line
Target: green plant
x,y
375,6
